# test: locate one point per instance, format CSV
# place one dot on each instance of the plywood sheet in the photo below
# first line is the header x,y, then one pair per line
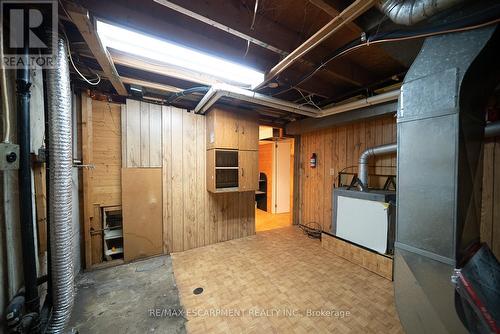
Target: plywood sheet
x,y
379,264
142,212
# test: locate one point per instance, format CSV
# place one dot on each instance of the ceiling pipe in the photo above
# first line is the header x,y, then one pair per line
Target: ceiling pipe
x,y
222,90
490,130
413,11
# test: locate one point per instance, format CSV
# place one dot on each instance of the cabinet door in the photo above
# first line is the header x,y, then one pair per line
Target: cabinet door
x,y
249,170
248,131
222,129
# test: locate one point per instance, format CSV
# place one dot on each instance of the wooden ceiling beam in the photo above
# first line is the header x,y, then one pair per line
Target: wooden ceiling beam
x,y
347,15
81,18
152,85
283,40
332,12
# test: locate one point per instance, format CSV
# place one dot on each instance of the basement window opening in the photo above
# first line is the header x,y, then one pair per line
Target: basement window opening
x,y
142,45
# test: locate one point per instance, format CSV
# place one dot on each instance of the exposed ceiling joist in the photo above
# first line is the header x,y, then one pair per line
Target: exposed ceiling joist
x,y
286,40
81,19
148,65
152,85
327,8
220,26
347,15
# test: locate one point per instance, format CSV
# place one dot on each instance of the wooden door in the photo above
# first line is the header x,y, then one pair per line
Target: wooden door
x,y
248,131
142,212
249,170
222,129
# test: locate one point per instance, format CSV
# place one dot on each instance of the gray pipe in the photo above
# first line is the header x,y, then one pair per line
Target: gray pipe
x,y
60,210
491,130
365,156
408,12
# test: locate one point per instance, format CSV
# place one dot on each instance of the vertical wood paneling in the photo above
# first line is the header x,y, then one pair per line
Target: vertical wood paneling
x,y
142,137
155,136
192,217
177,181
200,156
189,179
145,134
133,133
167,177
495,243
337,148
490,211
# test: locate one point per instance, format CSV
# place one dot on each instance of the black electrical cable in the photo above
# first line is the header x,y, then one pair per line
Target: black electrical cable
x,y
175,96
479,19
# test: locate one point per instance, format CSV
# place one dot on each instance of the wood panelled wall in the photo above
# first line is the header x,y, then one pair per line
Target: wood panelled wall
x,y
490,213
192,217
101,147
340,147
266,157
141,123
336,149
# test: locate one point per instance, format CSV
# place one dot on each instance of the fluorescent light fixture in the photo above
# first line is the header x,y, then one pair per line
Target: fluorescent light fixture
x,y
169,53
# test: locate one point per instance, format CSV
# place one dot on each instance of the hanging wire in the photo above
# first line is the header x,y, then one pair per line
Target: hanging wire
x,y
98,79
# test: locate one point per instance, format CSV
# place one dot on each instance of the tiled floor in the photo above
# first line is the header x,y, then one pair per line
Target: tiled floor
x,y
265,221
250,283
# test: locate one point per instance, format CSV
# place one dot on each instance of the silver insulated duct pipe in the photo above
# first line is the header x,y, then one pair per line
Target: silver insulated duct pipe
x,y
365,156
60,160
408,12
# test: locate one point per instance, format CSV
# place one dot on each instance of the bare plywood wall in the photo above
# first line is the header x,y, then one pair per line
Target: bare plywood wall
x,y
101,147
193,217
490,213
338,148
142,211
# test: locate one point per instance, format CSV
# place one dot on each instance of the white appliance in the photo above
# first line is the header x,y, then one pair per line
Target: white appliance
x,y
365,218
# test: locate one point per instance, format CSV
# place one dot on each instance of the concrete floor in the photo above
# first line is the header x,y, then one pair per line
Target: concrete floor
x,y
139,297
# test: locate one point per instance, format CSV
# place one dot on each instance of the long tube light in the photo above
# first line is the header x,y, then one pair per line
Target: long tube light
x,y
174,54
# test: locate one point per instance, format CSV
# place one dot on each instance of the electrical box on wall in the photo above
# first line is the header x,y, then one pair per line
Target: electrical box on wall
x,y
9,156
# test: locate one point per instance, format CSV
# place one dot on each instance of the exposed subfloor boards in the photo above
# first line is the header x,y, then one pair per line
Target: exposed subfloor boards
x,y
131,298
250,283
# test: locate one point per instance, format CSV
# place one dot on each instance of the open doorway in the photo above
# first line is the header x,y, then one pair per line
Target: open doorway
x,y
275,195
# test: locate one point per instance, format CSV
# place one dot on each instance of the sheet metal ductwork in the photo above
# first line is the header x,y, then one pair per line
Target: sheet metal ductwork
x,y
440,134
366,155
408,12
60,210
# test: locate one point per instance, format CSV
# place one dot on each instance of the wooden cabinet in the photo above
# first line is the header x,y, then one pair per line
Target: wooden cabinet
x,y
232,150
248,132
248,170
232,129
232,170
222,170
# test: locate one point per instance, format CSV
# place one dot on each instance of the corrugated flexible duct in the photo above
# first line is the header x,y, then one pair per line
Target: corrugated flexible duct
x,y
60,157
408,12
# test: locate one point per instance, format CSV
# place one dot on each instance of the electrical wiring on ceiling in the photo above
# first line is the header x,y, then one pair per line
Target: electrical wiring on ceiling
x,y
471,22
98,77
